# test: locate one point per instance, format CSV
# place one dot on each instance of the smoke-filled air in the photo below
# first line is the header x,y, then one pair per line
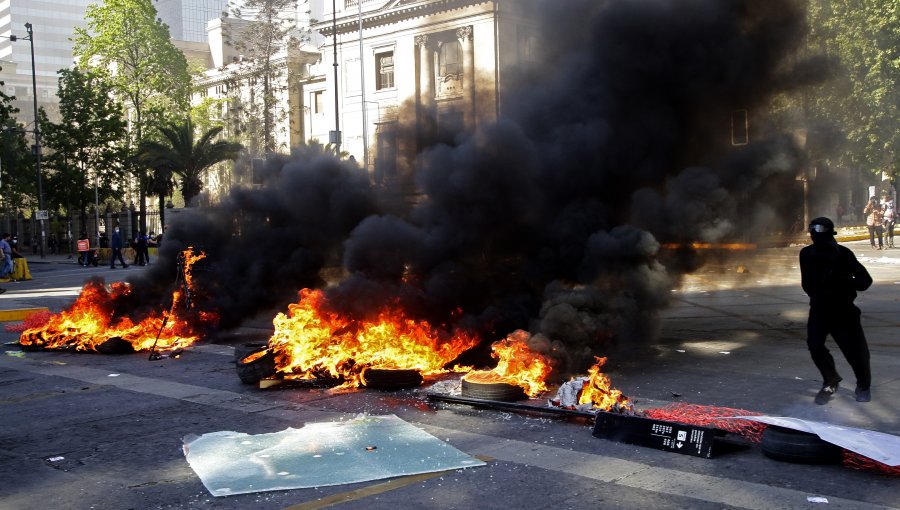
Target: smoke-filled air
x,y
552,219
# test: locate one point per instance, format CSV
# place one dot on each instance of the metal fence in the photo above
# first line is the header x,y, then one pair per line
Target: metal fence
x,y
62,231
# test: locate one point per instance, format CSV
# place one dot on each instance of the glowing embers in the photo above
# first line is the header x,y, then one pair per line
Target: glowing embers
x,y
315,341
711,246
95,321
519,369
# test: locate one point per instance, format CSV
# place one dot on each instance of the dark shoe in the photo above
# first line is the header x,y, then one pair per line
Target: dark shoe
x,y
2,291
863,395
825,394
112,267
125,266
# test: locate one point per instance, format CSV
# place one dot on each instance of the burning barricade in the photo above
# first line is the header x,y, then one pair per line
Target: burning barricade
x,y
96,321
312,341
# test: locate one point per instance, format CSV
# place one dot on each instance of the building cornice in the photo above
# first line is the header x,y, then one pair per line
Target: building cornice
x,y
399,12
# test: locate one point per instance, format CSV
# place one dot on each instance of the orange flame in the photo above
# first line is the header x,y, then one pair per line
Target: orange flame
x,y
314,341
89,322
598,391
711,246
518,365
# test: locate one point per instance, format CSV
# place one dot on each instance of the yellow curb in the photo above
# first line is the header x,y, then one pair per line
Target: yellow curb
x,y
19,314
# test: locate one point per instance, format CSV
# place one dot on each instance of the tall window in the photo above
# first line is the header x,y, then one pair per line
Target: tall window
x,y
384,72
449,58
318,102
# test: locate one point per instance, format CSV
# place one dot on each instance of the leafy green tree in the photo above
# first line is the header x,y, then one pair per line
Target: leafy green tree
x,y
149,74
186,157
863,94
18,181
88,144
270,31
207,114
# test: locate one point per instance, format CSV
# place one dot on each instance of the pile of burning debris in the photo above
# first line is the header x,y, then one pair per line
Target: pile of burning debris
x,y
95,322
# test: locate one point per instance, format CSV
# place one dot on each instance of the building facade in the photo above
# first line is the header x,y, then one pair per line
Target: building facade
x,y
53,24
422,71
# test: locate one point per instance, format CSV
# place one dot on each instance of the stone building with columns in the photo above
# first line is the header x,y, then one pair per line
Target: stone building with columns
x,y
423,71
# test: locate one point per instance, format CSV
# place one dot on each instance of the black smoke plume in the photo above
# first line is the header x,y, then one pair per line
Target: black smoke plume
x,y
552,218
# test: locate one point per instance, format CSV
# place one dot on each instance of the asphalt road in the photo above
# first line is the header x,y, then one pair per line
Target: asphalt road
x,y
114,424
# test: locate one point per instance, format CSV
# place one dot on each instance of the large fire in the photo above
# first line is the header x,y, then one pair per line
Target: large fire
x,y
90,321
312,341
518,365
598,390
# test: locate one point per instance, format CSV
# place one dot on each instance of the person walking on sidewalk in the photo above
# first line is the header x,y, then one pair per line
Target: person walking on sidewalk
x,y
874,221
889,217
831,276
116,250
6,265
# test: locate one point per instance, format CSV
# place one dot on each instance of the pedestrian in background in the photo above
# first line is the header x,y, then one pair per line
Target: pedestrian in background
x,y
888,220
874,221
116,250
141,253
831,276
6,267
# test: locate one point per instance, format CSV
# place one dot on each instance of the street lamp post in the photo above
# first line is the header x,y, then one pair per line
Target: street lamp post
x,y
36,132
37,139
336,136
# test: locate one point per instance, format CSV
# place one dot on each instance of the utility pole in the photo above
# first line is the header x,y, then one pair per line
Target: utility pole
x,y
336,135
362,86
37,141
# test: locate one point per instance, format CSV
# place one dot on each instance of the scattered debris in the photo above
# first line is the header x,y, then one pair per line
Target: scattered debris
x,y
447,387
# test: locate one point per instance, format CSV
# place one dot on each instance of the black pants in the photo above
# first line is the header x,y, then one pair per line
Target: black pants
x,y
116,253
844,326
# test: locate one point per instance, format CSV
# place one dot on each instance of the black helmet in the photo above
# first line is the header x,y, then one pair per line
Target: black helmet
x,y
821,225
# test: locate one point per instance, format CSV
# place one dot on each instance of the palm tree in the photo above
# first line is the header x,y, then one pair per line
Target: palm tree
x,y
179,154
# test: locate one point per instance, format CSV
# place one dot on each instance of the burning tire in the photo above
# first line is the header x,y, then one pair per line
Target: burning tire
x,y
390,379
115,345
503,392
790,445
244,350
255,367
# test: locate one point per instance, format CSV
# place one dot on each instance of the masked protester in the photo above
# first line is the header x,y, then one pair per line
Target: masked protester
x,y
831,276
117,246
